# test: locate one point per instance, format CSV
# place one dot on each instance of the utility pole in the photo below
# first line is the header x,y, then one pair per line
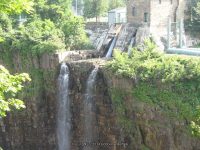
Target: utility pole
x,y
181,33
169,33
76,7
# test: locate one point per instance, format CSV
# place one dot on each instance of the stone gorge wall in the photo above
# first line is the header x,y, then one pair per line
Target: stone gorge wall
x,y
35,127
151,128
102,109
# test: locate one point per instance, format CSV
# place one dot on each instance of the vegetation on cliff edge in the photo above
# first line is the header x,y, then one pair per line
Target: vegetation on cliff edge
x,y
50,27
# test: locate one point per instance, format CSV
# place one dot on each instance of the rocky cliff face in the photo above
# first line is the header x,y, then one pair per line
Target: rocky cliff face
x,y
34,127
139,127
150,127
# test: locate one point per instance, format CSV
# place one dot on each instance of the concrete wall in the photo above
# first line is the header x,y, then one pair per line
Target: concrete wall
x,y
141,6
182,9
96,26
111,18
160,13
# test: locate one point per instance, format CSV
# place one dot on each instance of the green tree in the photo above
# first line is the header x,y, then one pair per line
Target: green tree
x,y
15,6
12,7
10,85
95,8
116,3
54,10
38,37
5,26
73,28
51,27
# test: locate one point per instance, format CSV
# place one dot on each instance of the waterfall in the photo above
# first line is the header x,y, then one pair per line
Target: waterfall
x,y
130,47
89,128
64,115
110,50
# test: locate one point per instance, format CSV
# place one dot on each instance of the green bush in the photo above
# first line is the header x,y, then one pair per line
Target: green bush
x,y
36,37
150,64
10,86
5,26
75,36
50,27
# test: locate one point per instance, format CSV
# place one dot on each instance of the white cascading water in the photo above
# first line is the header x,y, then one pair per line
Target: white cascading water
x,y
110,50
64,115
89,129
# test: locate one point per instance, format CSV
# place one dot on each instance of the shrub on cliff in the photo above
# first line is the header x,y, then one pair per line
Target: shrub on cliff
x,y
75,36
38,36
150,64
5,26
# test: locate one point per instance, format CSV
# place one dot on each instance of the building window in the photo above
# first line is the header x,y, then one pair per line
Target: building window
x,y
133,11
160,1
145,17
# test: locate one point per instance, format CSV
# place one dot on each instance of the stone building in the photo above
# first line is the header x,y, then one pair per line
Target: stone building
x,y
154,13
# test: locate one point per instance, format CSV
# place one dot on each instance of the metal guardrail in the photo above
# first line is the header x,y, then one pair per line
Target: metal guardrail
x,y
184,51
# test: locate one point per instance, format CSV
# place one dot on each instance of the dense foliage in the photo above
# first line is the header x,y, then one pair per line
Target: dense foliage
x,y
49,28
152,65
15,6
10,85
178,75
74,35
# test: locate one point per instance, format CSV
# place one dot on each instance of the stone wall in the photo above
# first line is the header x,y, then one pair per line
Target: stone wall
x,y
141,6
160,14
97,26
